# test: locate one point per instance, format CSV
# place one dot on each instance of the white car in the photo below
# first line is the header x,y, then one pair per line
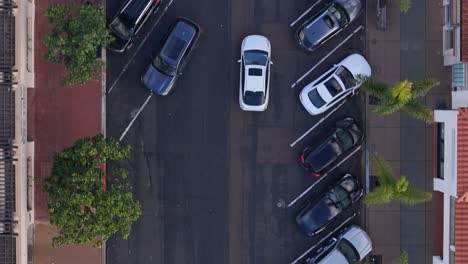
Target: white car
x,y
254,73
350,248
335,84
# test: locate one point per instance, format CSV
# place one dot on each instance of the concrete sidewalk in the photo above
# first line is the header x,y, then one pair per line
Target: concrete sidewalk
x,y
410,48
58,116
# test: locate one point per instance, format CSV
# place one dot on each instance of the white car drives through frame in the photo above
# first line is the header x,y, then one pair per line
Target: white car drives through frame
x,y
334,85
254,73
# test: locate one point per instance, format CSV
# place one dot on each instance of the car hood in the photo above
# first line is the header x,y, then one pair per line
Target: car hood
x,y
357,65
314,216
335,257
256,42
316,31
360,240
156,81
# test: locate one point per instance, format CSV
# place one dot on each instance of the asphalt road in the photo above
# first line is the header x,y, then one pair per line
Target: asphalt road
x,y
213,180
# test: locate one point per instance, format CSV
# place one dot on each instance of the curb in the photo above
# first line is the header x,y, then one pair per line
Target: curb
x,y
103,122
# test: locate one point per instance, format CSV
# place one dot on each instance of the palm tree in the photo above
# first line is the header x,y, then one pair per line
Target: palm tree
x,y
391,189
403,96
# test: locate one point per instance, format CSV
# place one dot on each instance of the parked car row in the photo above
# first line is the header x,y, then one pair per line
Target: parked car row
x,y
324,93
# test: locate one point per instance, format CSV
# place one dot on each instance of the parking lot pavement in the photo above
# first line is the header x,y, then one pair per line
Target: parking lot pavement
x,y
212,179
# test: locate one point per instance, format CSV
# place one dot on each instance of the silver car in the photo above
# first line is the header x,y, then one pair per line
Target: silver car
x,y
327,23
352,246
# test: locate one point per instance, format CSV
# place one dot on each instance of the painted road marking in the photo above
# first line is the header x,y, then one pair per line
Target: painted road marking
x,y
303,14
323,239
135,117
322,177
324,58
138,49
318,123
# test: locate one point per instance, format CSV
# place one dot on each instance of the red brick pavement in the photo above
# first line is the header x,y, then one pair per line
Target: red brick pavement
x,y
59,115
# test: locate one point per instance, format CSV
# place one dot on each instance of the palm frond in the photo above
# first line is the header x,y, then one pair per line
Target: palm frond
x,y
383,171
404,5
380,194
421,87
374,88
401,92
387,107
403,258
419,111
413,196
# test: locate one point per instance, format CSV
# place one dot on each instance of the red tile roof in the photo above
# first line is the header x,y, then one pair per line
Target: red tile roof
x,y
461,207
464,31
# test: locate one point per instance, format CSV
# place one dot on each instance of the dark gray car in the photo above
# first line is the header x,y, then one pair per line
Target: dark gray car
x,y
168,64
327,23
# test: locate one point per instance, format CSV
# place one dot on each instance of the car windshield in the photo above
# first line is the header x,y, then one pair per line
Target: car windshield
x,y
338,13
164,67
340,197
315,98
348,251
344,138
346,77
119,26
255,57
333,86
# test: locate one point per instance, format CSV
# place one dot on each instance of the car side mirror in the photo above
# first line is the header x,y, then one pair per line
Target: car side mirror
x,y
271,62
239,60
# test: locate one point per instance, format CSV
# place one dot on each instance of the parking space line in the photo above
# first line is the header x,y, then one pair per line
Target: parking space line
x,y
318,123
323,239
324,58
135,117
138,48
303,14
322,177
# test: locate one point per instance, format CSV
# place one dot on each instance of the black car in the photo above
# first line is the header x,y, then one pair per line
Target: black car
x,y
318,214
343,139
327,23
129,20
169,63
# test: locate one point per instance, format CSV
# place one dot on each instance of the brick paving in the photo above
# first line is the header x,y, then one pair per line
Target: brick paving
x,y
58,116
410,48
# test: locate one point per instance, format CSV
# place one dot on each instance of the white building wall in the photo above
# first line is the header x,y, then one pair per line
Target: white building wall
x,y
448,185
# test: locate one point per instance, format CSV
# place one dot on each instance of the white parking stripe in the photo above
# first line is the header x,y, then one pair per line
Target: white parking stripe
x,y
323,239
135,117
321,178
303,14
138,49
324,58
318,123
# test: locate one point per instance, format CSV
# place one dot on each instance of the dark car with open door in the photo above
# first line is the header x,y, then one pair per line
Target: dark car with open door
x,y
316,215
345,137
131,17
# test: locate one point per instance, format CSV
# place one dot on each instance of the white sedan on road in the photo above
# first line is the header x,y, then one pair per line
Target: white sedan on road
x,y
254,73
334,85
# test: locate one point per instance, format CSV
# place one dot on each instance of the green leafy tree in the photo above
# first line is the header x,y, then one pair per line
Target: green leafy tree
x,y
403,258
404,5
80,205
391,189
403,96
78,32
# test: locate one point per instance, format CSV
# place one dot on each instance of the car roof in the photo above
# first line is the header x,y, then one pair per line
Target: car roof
x,y
255,78
324,155
133,9
178,41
